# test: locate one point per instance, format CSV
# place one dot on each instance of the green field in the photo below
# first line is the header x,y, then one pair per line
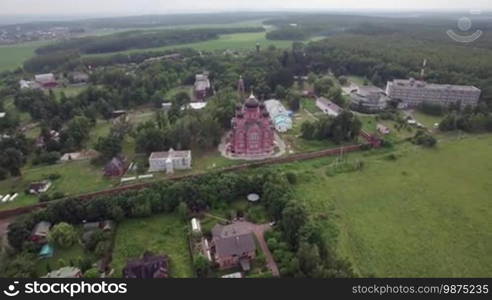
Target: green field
x,y
13,56
160,234
76,177
236,41
428,213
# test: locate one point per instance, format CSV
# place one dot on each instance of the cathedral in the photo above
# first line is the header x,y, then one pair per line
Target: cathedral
x,y
252,132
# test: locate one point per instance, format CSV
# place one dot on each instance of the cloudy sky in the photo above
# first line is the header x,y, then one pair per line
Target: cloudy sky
x,y
131,7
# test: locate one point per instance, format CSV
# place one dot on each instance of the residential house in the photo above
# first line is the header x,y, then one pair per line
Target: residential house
x,y
234,245
115,168
47,81
148,267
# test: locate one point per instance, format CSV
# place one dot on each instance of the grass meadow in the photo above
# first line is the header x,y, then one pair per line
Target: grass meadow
x,y
160,234
426,213
13,56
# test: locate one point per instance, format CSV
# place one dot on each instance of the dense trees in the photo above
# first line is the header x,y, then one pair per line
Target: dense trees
x,y
63,235
344,127
139,40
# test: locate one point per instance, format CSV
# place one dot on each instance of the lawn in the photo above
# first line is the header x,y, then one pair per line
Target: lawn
x,y
63,256
160,234
76,177
427,214
427,120
13,56
70,91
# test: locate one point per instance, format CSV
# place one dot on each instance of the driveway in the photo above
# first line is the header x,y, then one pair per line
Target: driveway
x,y
259,231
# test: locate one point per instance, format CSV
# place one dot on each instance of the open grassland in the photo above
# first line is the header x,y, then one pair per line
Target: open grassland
x,y
236,41
12,56
160,234
427,213
76,177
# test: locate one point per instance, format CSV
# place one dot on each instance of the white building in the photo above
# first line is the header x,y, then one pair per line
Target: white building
x,y
328,107
279,115
415,92
169,161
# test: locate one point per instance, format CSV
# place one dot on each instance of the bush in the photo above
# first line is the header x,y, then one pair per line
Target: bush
x,y
3,174
58,195
63,235
54,176
424,139
291,177
47,158
44,198
92,273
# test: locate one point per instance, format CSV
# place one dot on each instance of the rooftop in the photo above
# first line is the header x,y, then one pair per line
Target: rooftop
x,y
65,272
422,84
235,245
170,154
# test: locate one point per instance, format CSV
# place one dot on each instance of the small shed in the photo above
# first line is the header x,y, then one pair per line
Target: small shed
x,y
40,231
46,251
195,225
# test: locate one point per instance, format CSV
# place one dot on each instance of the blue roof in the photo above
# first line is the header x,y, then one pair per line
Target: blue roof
x,y
46,251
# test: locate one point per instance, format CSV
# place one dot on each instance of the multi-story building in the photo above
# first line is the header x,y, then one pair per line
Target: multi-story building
x,y
414,92
368,99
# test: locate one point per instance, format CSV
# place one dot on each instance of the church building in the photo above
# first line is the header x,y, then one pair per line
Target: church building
x,y
252,129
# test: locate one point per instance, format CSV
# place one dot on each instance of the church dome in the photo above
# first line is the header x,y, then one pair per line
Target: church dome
x,y
252,102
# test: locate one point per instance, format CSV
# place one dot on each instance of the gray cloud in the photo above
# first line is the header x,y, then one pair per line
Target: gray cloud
x,y
79,7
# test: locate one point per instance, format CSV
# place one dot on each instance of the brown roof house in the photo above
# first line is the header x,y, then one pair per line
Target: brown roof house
x,y
148,267
234,245
115,168
46,80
